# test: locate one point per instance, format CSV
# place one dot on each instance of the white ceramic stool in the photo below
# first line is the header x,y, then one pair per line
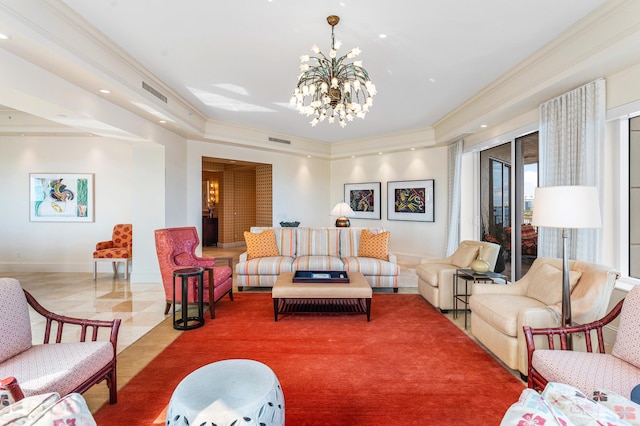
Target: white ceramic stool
x,y
234,391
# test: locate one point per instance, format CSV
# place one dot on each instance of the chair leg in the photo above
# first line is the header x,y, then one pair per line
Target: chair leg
x,y
126,269
115,268
95,269
113,387
231,294
166,308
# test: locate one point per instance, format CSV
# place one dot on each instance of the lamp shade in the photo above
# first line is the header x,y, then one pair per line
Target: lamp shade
x,y
342,209
566,207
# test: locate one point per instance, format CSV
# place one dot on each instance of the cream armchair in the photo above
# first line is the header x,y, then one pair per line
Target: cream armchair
x,y
499,312
435,276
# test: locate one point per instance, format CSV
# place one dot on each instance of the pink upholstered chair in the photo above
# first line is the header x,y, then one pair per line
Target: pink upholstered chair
x,y
616,371
175,248
117,250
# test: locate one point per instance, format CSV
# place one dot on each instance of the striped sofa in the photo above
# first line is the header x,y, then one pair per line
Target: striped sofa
x,y
318,249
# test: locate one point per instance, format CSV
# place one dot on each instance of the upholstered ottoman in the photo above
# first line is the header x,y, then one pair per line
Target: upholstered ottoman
x,y
233,391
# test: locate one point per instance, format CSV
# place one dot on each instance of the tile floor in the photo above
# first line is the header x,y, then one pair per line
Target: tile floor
x,y
145,330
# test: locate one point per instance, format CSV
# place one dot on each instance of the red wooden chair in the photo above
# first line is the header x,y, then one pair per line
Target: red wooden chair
x,y
592,367
175,248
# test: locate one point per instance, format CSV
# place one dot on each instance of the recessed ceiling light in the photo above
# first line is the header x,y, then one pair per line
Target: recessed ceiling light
x,y
380,153
105,91
308,156
162,121
413,149
483,125
4,37
382,35
433,80
353,156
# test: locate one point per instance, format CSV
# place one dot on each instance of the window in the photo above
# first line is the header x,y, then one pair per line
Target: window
x,y
634,198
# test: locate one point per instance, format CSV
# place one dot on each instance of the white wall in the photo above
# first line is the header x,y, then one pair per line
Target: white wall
x,y
409,240
61,246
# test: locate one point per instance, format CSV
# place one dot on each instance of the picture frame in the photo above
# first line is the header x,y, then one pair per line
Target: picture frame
x,y
411,200
61,197
364,199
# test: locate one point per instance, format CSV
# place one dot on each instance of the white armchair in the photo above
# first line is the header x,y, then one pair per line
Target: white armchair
x,y
435,276
499,312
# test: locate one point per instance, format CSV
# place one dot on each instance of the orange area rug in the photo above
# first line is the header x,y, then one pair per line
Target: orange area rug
x,y
408,366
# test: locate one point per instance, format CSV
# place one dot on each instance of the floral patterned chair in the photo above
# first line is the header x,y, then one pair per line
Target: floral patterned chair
x,y
117,250
175,248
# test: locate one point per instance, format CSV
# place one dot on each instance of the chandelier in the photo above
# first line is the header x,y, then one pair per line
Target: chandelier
x,y
331,88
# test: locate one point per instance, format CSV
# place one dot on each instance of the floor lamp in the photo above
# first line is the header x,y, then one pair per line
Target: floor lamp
x,y
566,207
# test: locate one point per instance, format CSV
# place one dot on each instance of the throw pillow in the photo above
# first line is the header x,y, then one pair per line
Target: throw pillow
x,y
376,246
627,344
261,245
545,284
464,255
532,409
580,409
623,407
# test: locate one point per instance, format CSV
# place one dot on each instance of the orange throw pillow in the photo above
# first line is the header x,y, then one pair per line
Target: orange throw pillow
x,y
376,246
261,245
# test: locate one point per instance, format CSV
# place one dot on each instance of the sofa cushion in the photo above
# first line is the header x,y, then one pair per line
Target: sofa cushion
x,y
317,263
261,245
375,246
15,325
501,310
546,284
285,239
370,266
627,344
265,266
350,240
464,254
586,371
318,242
429,272
57,367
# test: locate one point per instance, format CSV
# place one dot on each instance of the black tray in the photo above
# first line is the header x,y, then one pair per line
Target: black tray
x,y
331,277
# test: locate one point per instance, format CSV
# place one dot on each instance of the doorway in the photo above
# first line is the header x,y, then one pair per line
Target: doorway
x,y
236,195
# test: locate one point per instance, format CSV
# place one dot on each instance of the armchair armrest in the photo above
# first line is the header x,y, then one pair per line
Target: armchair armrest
x,y
86,325
514,289
393,258
435,260
244,256
102,245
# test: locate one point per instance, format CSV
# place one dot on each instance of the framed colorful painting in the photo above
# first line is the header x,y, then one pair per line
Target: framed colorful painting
x,y
364,199
61,197
410,200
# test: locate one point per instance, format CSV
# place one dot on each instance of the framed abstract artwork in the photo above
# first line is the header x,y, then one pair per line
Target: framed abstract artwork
x,y
410,200
61,197
364,199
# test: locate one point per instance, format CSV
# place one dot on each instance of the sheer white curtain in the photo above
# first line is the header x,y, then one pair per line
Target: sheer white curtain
x,y
454,159
571,139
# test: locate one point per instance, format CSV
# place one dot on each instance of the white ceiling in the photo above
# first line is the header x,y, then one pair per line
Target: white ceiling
x,y
237,61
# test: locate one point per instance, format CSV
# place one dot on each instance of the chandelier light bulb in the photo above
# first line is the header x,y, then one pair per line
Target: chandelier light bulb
x,y
330,86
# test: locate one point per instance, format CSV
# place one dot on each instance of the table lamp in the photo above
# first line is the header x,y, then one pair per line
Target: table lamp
x,y
566,207
341,210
